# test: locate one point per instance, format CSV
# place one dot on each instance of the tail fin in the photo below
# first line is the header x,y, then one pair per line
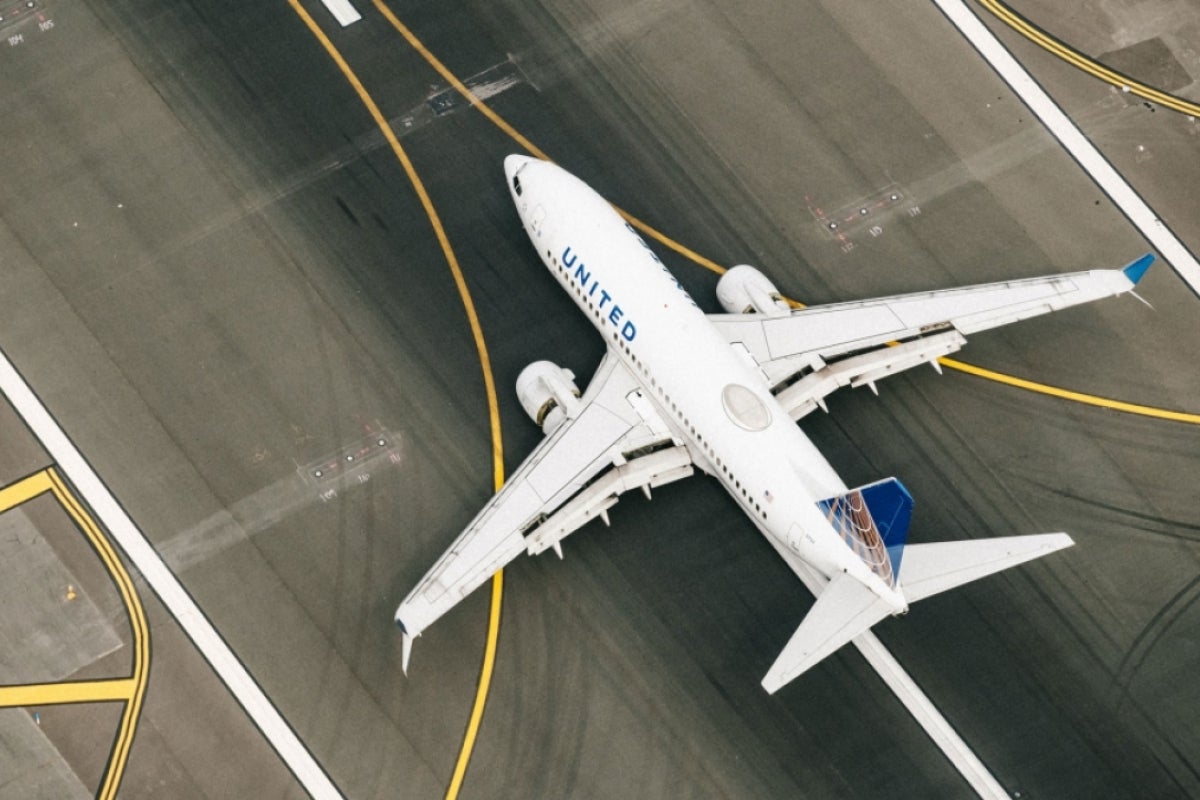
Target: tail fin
x,y
933,568
873,521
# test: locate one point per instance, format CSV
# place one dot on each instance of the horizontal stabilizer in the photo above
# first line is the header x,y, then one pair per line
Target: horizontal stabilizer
x,y
933,568
844,610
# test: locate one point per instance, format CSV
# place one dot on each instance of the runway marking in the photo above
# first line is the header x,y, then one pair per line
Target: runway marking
x,y
1084,62
1070,137
130,690
343,11
493,632
961,366
160,578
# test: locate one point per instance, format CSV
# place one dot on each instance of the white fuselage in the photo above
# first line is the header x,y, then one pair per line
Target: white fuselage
x,y
715,399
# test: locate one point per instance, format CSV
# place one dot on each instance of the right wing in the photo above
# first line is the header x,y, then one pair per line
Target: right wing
x,y
616,441
815,350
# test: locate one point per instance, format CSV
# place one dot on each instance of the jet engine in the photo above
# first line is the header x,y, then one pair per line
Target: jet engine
x,y
548,394
745,290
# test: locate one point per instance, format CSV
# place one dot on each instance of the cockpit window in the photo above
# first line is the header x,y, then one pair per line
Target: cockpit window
x,y
517,184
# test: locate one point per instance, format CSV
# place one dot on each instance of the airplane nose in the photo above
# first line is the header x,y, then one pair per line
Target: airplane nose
x,y
513,163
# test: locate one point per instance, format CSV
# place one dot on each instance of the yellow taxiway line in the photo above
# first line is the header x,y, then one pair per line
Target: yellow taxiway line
x,y
493,632
1067,394
1083,62
130,690
52,694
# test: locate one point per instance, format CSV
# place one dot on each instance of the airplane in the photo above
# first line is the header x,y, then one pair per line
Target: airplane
x,y
678,389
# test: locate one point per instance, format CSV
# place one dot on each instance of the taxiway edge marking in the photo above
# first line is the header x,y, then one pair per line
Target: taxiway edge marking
x,y
1093,162
485,364
128,690
1086,63
170,591
139,626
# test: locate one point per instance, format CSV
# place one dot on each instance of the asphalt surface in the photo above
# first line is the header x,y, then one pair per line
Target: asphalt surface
x,y
219,279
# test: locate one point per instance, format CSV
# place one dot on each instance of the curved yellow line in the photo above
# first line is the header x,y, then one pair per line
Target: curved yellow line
x,y
140,629
1120,80
131,690
520,139
435,221
1083,62
489,656
1067,394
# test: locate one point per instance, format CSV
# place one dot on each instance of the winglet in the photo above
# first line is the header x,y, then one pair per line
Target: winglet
x,y
1137,269
405,652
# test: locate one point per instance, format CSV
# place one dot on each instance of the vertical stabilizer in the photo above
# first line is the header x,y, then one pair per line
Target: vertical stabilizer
x,y
873,520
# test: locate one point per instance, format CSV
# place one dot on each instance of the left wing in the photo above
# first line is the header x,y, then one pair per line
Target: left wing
x,y
615,441
815,350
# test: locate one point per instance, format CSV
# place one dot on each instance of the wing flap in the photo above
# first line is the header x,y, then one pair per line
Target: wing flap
x,y
649,471
809,393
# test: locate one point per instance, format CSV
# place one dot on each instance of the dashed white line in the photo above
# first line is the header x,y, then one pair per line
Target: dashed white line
x,y
181,605
1173,251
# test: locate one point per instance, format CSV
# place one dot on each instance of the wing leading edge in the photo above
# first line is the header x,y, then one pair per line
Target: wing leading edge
x,y
815,350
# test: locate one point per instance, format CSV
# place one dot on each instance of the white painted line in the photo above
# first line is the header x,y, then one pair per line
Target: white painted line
x,y
928,717
1085,153
342,11
181,605
916,701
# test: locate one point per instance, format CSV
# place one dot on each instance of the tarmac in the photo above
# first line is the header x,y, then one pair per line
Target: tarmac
x,y
220,281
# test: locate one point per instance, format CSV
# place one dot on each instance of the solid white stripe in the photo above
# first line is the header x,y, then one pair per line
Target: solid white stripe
x,y
918,704
342,11
928,717
139,550
1061,127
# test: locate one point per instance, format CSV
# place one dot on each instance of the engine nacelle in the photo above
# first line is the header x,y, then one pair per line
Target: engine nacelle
x,y
745,290
548,394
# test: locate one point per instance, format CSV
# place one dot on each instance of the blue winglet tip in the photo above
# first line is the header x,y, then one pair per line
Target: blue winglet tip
x,y
1138,268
